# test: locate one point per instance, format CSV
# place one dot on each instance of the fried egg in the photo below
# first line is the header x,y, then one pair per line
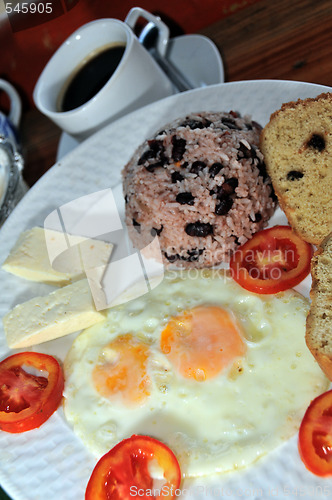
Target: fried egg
x,y
219,374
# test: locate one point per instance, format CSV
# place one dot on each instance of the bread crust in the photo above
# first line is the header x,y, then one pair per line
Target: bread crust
x,y
304,102
319,319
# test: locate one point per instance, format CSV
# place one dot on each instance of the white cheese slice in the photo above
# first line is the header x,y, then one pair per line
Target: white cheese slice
x,y
71,255
59,313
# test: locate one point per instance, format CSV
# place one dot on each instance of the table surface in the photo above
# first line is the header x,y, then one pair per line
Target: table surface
x,y
289,40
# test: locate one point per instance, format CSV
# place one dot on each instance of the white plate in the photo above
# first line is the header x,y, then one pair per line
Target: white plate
x,y
195,55
51,462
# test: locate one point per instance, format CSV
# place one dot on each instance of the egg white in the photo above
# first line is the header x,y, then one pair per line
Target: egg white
x,y
217,425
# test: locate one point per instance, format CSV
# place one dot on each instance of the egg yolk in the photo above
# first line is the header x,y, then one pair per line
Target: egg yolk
x,y
201,342
122,371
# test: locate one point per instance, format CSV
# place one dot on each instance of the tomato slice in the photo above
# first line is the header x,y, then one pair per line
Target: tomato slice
x,y
28,399
274,260
315,436
125,471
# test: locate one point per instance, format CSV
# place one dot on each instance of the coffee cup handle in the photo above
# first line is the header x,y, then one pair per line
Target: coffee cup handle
x,y
15,102
136,12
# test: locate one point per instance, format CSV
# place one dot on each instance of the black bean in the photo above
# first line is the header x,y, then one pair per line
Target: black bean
x,y
162,158
184,164
317,142
147,155
262,169
185,198
172,258
193,123
215,169
179,147
224,206
257,218
157,152
230,185
246,153
221,194
294,175
156,232
229,123
153,166
193,255
227,188
156,146
176,176
197,167
198,228
257,125
126,199
137,226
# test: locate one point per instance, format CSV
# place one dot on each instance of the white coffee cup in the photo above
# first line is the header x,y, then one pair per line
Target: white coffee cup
x,y
137,80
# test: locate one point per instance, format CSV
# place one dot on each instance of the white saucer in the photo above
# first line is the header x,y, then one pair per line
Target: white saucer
x,y
195,55
198,58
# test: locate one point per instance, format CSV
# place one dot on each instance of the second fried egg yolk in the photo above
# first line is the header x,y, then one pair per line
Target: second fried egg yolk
x,y
122,371
201,342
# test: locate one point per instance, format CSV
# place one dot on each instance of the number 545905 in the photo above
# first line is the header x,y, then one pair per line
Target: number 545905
x,y
28,7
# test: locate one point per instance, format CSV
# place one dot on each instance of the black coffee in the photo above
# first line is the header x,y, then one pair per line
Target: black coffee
x,y
90,77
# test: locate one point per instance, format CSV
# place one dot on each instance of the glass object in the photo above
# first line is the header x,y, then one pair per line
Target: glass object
x,y
12,185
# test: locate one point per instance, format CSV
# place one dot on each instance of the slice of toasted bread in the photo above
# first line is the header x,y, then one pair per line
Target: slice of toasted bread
x,y
319,320
297,146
